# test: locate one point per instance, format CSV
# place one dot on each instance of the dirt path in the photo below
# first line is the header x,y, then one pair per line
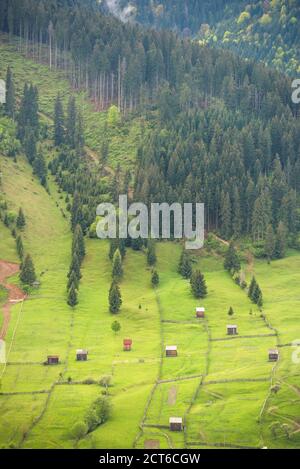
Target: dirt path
x,y
223,241
15,295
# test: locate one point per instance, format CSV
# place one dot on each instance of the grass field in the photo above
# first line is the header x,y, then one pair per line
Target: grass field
x,y
222,387
219,386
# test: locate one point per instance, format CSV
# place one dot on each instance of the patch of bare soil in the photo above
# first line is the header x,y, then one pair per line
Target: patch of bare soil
x,y
172,396
151,444
15,294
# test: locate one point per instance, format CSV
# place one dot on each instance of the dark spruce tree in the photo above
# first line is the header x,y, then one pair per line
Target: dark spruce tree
x,y
73,280
10,95
151,253
27,273
281,241
78,245
252,288
21,221
75,266
114,298
154,279
72,296
270,243
20,248
185,265
29,145
117,269
232,262
198,284
71,123
59,122
40,168
113,246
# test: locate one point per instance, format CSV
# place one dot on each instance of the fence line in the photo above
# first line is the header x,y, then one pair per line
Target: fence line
x,y
243,337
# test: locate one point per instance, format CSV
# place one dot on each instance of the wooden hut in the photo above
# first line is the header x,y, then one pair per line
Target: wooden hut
x,y
171,351
232,329
81,355
200,312
273,355
175,424
52,360
127,344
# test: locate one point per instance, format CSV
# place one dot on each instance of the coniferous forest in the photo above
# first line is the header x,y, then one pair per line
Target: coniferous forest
x,y
143,343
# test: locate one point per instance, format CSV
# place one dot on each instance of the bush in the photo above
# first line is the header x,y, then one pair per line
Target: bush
x,y
89,381
105,381
98,413
79,430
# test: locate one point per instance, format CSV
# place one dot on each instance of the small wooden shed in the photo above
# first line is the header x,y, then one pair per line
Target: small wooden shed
x,y
232,329
127,344
200,312
171,351
273,355
175,424
52,360
81,355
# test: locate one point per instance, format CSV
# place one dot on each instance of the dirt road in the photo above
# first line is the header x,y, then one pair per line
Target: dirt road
x,y
15,294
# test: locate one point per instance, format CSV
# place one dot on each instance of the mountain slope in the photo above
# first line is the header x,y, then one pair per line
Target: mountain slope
x,y
261,30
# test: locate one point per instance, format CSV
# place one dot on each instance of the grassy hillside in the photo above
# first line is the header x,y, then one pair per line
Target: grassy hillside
x,y
222,387
218,385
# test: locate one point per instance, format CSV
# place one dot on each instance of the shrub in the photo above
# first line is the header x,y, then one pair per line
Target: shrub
x,y
79,430
98,413
244,16
105,381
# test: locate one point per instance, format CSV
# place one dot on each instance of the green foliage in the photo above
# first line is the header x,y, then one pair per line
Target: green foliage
x,y
244,16
116,327
27,273
113,116
20,247
198,284
79,430
232,262
114,298
154,279
10,94
185,265
9,145
59,122
98,413
151,253
117,269
255,293
21,221
72,296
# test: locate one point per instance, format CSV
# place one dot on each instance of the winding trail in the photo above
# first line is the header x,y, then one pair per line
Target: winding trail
x,y
15,294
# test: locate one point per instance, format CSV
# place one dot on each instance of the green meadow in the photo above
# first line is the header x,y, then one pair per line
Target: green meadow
x,y
224,388
220,386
